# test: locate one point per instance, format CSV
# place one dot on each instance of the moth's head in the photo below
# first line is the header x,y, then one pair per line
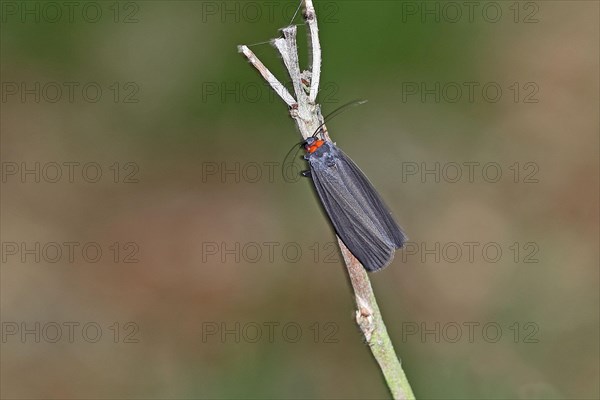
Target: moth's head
x,y
311,144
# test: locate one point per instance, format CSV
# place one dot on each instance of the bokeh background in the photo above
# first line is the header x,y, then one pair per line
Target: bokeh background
x,y
219,279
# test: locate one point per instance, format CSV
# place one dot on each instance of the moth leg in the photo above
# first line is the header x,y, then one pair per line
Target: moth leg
x,y
305,173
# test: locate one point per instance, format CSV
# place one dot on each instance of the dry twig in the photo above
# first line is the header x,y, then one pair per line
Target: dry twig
x,y
307,115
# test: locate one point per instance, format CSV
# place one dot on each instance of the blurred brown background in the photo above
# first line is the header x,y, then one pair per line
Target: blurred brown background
x,y
190,269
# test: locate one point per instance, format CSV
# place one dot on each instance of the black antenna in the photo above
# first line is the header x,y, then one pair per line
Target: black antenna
x,y
296,13
327,118
256,44
292,149
337,112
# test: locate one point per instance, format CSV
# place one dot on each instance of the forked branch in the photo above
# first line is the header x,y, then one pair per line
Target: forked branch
x,y
307,114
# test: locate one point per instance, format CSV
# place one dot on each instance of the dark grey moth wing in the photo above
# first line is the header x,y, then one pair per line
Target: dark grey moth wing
x,y
357,212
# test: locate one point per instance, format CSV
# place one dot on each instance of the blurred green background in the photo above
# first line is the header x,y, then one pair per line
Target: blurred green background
x,y
189,297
